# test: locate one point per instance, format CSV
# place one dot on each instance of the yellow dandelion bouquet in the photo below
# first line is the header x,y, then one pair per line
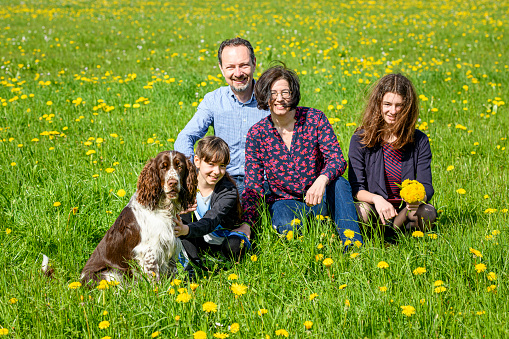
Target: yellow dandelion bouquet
x,y
412,191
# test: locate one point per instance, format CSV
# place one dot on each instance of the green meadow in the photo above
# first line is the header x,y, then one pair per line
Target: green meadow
x,y
90,90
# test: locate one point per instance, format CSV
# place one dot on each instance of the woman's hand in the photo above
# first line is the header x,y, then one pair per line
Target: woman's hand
x,y
315,193
180,228
384,208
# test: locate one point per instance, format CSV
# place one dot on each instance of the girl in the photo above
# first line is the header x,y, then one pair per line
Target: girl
x,y
211,225
387,149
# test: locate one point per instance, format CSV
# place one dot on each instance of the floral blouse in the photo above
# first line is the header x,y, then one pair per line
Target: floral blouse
x,y
314,151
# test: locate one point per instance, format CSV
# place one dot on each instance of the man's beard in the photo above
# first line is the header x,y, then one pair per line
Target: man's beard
x,y
240,89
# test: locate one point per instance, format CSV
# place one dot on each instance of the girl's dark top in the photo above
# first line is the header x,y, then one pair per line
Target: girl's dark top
x,y
223,211
366,165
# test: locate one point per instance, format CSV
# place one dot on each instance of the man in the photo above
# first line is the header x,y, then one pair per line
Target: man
x,y
231,110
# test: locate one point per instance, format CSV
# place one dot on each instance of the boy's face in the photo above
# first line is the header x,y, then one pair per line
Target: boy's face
x,y
209,173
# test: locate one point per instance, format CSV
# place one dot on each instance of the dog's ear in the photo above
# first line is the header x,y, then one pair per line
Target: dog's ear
x,y
191,180
149,185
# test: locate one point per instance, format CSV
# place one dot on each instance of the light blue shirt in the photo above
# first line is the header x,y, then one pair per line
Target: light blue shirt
x,y
231,120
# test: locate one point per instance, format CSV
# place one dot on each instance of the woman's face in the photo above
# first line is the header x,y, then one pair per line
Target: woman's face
x,y
392,104
280,97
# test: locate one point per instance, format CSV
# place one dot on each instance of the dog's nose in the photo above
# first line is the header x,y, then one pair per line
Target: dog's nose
x,y
172,183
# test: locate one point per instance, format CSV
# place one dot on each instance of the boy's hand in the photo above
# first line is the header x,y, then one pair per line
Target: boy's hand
x,y
180,227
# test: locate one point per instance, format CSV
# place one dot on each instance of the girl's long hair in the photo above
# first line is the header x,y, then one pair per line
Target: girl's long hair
x,y
375,130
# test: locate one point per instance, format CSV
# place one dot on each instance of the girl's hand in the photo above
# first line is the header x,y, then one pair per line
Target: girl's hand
x,y
190,208
180,228
315,193
384,208
413,207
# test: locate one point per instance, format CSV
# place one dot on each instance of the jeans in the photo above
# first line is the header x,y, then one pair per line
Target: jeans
x,y
341,208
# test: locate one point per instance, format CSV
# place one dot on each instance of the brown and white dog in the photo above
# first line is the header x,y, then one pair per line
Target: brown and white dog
x,y
143,231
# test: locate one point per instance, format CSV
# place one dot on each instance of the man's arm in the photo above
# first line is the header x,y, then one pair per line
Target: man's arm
x,y
195,129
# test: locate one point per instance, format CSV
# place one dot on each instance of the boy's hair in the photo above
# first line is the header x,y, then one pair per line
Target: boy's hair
x,y
373,124
213,149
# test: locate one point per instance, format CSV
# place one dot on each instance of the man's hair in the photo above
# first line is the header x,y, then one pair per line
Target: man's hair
x,y
213,149
234,43
263,86
376,130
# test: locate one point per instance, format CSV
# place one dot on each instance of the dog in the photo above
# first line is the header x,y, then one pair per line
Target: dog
x,y
144,230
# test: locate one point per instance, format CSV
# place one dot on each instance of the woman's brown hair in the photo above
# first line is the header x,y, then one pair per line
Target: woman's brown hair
x,y
263,86
375,130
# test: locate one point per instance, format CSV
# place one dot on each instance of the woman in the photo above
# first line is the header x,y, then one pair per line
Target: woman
x,y
387,149
296,151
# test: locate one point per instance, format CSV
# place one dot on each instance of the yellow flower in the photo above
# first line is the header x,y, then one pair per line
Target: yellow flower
x,y
110,170
4,331
475,252
383,288
295,222
74,285
480,268
461,191
495,232
199,335
492,276
354,255
104,324
318,257
357,244
382,264
57,203
480,312
417,234
347,303
13,300
349,234
408,310
440,289
105,312
327,262
233,276
49,103
422,301
155,334
254,257
313,296
13,164
175,282
320,217
342,287
282,332
121,192
419,270
193,286
308,324
234,328
433,236
238,289
183,297
262,311
491,288
209,306
8,231
319,246
221,335
177,317
171,291
90,151
289,235
438,283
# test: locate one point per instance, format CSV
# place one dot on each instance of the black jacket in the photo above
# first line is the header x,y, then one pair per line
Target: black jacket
x,y
223,211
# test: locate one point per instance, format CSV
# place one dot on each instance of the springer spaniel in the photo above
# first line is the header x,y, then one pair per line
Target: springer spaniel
x,y
144,229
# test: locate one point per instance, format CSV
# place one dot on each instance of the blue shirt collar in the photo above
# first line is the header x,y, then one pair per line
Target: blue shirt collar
x,y
232,95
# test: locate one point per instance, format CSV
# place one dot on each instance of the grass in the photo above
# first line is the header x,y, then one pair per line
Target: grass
x,y
140,68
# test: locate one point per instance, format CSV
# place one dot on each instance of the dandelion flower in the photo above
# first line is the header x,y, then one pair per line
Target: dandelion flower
x,y
110,170
289,235
320,217
209,306
8,231
74,285
354,255
383,288
308,324
13,300
480,268
327,262
175,282
56,203
183,297
199,335
438,283
318,257
357,243
347,303
408,310
450,168
254,257
194,286
342,287
412,191
349,234
382,265
313,296
491,288
121,192
234,328
262,311
295,222
480,312
4,331
417,234
319,246
233,276
155,334
90,151
238,289
440,289
492,276
220,335
419,270
177,318
104,324
475,252
282,333
422,301
461,191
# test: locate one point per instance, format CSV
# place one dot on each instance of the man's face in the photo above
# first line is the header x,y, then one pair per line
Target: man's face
x,y
237,68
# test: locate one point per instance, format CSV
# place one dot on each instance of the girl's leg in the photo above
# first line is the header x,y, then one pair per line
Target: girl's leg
x,y
423,219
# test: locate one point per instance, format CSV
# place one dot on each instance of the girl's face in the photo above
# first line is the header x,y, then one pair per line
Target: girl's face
x,y
209,173
392,104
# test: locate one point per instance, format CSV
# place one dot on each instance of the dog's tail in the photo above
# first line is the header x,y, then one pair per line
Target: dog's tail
x,y
45,267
